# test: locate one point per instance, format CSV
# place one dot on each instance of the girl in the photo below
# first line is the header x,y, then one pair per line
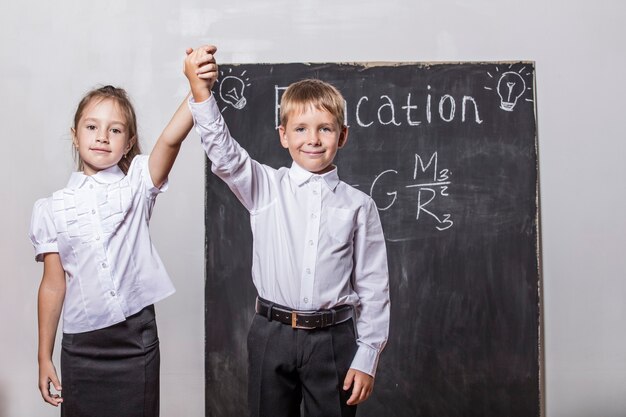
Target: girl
x,y
100,266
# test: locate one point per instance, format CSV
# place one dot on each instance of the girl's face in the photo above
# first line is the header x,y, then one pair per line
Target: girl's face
x,y
101,136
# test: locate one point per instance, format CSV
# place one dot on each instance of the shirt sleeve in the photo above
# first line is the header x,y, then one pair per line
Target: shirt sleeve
x,y
42,231
246,178
371,283
139,175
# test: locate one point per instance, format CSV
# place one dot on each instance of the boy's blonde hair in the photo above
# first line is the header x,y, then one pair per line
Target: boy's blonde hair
x,y
120,97
311,92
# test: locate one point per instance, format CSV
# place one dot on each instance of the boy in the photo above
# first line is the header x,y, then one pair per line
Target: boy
x,y
319,261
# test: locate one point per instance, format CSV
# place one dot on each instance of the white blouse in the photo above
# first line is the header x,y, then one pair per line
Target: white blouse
x,y
99,226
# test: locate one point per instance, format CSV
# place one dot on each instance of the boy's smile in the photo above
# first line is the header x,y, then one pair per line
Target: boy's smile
x,y
313,137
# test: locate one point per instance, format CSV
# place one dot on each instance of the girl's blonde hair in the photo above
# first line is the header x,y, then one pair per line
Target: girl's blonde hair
x,y
119,96
311,92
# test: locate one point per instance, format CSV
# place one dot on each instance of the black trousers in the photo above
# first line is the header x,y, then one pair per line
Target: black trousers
x,y
290,369
112,372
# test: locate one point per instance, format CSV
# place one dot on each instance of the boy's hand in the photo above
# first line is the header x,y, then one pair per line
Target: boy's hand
x,y
363,386
48,374
201,69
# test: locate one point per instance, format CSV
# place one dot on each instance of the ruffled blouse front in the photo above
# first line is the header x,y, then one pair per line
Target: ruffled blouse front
x,y
99,226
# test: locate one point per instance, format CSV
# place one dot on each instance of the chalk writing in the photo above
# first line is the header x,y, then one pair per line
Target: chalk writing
x,y
431,182
388,112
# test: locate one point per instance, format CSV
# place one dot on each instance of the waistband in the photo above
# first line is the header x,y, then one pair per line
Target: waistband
x,y
306,320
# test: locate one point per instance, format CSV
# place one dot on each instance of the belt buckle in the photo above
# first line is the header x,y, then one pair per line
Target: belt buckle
x,y
295,324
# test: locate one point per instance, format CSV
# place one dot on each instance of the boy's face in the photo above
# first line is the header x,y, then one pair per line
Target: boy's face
x,y
313,137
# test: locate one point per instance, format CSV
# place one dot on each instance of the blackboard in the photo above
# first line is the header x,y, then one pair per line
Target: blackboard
x,y
449,153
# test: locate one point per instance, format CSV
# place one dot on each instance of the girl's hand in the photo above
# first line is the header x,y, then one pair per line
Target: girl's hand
x,y
201,70
48,374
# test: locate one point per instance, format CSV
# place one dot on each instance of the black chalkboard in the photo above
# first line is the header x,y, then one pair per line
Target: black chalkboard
x,y
449,153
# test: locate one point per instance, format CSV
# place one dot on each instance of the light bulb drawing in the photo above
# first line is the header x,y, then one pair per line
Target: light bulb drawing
x,y
231,91
511,87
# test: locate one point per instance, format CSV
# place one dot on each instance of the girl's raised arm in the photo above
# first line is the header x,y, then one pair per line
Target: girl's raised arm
x,y
168,145
166,149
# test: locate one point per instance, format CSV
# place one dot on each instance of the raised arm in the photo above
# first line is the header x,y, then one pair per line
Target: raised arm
x,y
50,303
248,179
168,145
166,149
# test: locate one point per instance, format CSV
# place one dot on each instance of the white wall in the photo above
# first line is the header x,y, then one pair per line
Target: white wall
x,y
52,52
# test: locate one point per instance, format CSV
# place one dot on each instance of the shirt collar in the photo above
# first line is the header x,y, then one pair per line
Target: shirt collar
x,y
301,176
106,176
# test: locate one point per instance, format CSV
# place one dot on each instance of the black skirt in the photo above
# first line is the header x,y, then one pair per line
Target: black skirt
x,y
112,371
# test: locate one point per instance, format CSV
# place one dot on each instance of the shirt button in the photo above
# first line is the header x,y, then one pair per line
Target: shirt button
x,y
311,243
313,216
112,293
104,264
91,186
315,192
306,301
308,270
93,211
98,237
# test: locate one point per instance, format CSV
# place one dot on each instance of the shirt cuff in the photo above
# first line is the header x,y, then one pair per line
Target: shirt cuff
x,y
44,248
366,360
206,112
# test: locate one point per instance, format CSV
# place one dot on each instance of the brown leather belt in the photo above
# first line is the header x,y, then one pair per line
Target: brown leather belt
x,y
303,319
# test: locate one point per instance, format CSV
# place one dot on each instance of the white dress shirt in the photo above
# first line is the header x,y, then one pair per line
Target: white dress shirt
x,y
99,226
317,242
